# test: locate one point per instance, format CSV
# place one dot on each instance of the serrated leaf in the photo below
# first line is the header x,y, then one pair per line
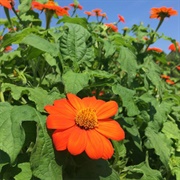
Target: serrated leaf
x,y
43,163
160,143
41,44
38,95
73,44
24,6
128,62
143,171
74,82
127,96
11,131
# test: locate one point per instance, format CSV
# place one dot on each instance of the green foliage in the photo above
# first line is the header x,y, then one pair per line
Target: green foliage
x,y
83,57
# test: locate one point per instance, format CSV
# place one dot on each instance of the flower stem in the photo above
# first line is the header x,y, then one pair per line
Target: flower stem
x,y
152,37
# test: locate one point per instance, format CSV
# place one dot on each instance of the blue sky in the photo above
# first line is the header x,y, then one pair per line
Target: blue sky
x,y
134,12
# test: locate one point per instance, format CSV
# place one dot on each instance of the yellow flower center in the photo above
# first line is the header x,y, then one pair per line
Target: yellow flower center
x,y
86,118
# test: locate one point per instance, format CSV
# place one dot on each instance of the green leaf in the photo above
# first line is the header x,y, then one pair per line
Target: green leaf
x,y
127,96
41,44
11,131
142,171
73,44
128,62
160,143
24,6
171,130
43,163
75,20
25,172
152,71
38,95
16,37
74,82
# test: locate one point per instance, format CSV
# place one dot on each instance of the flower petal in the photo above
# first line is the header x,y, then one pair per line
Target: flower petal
x,y
93,102
75,101
94,148
107,110
108,149
59,122
77,141
111,129
60,138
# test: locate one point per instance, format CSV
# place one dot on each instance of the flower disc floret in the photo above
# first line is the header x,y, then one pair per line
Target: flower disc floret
x,y
86,118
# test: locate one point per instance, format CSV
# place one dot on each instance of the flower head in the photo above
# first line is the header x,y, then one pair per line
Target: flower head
x,y
5,3
50,5
178,68
121,18
165,76
158,50
112,27
89,13
76,6
97,11
84,125
172,47
162,12
169,81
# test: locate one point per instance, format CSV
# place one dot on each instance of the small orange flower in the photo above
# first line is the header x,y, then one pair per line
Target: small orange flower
x,y
5,3
103,15
84,125
121,18
50,5
112,27
178,68
89,13
155,49
76,6
165,76
97,11
169,81
162,12
172,47
7,49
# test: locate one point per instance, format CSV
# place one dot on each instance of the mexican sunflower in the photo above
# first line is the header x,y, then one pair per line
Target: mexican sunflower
x,y
84,125
50,5
5,3
112,27
158,50
162,12
172,47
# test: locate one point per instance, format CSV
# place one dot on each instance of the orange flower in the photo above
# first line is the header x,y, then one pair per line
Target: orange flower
x,y
178,68
165,76
97,11
84,125
5,3
89,13
76,6
172,47
162,12
169,81
112,27
121,18
155,49
7,49
50,5
103,15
